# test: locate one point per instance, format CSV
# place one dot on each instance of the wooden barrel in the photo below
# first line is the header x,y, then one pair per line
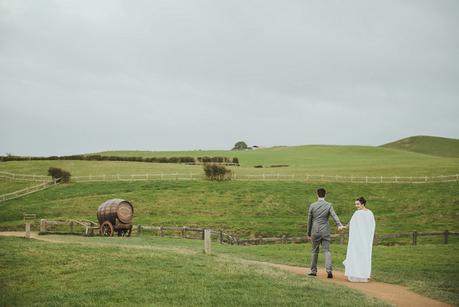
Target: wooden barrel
x,y
114,209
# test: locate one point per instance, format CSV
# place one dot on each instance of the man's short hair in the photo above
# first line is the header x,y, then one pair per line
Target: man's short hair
x,y
321,192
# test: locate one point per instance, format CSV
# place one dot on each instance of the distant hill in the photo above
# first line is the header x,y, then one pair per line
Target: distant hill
x,y
430,145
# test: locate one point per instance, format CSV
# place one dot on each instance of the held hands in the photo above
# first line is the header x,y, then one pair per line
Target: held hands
x,y
342,227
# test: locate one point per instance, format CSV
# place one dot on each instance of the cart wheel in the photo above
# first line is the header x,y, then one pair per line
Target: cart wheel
x,y
106,229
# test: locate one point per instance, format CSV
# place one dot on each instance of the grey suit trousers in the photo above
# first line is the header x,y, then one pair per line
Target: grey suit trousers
x,y
324,240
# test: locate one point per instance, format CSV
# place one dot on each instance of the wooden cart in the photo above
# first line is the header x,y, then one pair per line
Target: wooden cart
x,y
115,215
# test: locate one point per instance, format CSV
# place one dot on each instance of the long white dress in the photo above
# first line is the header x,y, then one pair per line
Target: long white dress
x,y
360,246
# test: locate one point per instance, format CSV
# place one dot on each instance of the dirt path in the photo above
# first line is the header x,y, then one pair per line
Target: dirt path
x,y
392,294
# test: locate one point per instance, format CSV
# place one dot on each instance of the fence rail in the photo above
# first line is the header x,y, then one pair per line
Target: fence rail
x,y
24,177
88,228
27,191
274,177
242,176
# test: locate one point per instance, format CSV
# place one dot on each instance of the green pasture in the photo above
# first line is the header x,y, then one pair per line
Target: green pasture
x,y
431,145
8,186
247,209
140,274
165,271
327,160
299,161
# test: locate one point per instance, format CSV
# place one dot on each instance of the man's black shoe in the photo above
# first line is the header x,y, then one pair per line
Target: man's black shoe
x,y
329,275
312,274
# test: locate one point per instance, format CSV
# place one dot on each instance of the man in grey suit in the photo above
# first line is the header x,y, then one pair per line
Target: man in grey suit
x,y
319,231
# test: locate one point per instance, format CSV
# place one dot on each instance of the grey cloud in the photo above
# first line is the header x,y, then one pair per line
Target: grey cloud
x,y
119,74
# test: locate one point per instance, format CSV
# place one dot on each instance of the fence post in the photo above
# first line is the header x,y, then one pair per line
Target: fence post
x,y
445,234
161,234
71,227
415,237
381,179
220,236
139,230
27,230
183,231
42,226
366,179
341,238
207,242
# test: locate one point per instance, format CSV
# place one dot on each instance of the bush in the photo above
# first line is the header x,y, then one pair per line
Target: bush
x,y
236,161
258,166
217,172
59,175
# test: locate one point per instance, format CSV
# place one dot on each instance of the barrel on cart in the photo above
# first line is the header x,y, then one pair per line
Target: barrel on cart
x,y
115,215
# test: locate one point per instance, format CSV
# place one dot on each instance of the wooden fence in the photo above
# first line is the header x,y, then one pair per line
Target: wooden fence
x,y
26,191
273,177
90,228
242,176
24,177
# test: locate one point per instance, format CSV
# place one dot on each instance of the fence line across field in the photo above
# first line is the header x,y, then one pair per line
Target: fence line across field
x,y
26,191
238,176
24,177
48,227
272,177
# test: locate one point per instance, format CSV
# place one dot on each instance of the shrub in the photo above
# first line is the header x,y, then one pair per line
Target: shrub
x,y
59,175
236,161
217,172
258,166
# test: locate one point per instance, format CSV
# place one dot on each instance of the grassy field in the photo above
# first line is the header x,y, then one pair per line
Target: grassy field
x,y
247,209
151,270
7,186
328,160
430,145
301,160
141,274
173,271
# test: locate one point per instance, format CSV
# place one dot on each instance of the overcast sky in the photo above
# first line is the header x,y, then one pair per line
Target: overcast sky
x,y
85,76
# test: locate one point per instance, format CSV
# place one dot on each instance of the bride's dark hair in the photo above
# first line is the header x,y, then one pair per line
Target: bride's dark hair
x,y
362,201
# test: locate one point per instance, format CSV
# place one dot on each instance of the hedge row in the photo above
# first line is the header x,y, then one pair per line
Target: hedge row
x,y
188,160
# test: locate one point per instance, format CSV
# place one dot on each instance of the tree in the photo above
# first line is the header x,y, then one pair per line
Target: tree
x,y
59,174
217,172
240,146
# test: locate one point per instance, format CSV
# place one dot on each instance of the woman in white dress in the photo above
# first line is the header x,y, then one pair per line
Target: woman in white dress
x,y
359,248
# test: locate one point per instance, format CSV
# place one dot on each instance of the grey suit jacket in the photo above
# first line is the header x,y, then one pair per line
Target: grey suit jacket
x,y
318,215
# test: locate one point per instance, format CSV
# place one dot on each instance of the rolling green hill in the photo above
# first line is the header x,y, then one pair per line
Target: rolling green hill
x,y
429,145
326,159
